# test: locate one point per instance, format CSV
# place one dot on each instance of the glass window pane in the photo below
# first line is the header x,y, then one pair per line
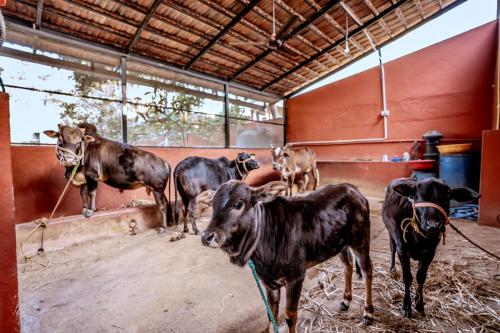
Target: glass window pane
x,y
149,126
251,134
32,112
252,109
33,75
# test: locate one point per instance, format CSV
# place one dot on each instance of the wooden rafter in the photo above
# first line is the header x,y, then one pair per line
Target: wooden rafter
x,y
141,27
333,46
224,31
287,36
39,12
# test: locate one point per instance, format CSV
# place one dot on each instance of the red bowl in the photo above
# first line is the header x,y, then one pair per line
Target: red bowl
x,y
421,164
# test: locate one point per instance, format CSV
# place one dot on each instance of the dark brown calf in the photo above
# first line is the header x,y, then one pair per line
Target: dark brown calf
x,y
195,174
119,165
285,236
430,200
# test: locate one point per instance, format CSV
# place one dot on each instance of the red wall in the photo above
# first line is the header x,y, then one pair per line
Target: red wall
x,y
39,179
9,320
489,204
446,87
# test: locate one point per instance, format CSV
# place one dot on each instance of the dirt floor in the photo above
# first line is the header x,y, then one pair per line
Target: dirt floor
x,y
145,283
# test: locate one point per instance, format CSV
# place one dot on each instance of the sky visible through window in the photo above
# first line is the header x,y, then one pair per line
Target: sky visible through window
x,y
467,16
32,113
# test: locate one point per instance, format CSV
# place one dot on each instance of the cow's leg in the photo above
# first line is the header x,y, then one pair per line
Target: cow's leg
x,y
365,263
162,206
169,211
273,297
404,259
84,193
346,258
305,183
315,174
392,266
291,181
191,210
92,190
423,266
293,290
185,216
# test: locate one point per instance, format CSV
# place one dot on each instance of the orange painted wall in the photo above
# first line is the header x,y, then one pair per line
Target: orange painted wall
x,y
39,179
9,320
446,87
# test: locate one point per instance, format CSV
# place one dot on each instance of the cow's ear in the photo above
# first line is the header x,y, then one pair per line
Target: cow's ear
x,y
268,191
464,194
51,134
88,138
83,129
405,189
205,197
272,147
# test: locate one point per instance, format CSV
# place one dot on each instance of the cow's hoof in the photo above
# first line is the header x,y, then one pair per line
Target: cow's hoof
x,y
186,230
367,320
88,213
161,231
196,232
420,310
343,306
406,312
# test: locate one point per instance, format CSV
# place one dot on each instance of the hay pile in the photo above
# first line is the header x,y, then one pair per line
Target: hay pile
x,y
460,296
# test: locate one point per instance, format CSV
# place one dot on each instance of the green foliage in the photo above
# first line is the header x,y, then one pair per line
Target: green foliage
x,y
151,120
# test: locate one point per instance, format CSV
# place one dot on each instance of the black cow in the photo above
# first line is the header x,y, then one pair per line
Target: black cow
x,y
419,239
284,236
119,165
194,175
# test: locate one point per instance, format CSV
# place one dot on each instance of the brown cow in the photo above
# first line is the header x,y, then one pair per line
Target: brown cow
x,y
293,163
286,236
2,29
117,164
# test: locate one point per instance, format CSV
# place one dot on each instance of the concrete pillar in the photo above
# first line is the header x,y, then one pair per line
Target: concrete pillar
x,y
9,316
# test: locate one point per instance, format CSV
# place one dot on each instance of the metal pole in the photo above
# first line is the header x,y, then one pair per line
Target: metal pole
x,y
285,124
227,139
123,77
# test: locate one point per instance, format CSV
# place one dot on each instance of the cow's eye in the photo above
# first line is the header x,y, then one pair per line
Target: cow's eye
x,y
238,204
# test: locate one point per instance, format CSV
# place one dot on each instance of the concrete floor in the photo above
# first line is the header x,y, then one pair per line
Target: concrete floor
x,y
145,283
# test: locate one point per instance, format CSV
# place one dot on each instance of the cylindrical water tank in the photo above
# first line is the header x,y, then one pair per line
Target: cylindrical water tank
x,y
459,170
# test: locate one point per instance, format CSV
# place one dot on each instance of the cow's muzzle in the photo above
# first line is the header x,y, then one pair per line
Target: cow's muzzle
x,y
209,238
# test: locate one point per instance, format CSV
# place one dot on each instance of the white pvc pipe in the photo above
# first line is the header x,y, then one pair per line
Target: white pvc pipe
x,y
384,114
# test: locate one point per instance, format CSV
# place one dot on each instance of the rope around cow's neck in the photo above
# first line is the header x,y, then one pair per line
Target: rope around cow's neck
x,y
266,303
244,162
414,219
80,158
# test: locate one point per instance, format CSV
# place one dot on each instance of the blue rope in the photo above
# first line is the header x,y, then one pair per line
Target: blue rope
x,y
266,303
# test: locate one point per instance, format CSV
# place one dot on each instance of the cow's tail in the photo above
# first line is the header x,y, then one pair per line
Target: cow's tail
x,y
169,207
176,210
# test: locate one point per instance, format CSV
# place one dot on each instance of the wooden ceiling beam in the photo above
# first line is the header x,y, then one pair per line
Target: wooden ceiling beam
x,y
351,13
418,4
287,36
39,12
338,42
144,23
223,32
217,26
